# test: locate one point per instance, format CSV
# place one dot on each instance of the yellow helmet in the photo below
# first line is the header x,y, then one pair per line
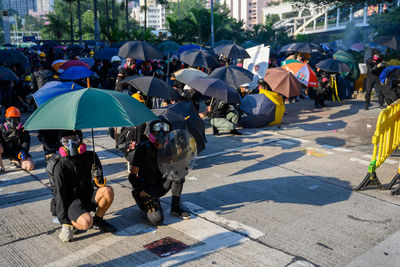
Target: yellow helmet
x,y
42,54
91,52
138,97
28,78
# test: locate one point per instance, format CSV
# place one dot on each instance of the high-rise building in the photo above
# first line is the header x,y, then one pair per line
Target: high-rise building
x,y
21,6
155,14
44,6
250,11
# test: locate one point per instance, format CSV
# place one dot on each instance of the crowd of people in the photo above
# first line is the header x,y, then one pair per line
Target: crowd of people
x,y
73,169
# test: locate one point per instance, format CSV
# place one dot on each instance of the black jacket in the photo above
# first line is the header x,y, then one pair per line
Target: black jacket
x,y
219,109
373,69
73,180
14,140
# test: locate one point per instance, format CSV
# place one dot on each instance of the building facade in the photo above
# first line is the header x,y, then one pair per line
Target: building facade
x,y
155,14
250,11
21,6
44,6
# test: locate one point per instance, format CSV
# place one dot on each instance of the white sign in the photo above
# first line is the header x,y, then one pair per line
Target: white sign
x,y
257,63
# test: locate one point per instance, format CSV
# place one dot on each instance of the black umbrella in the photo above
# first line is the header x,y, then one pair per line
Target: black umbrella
x,y
388,41
302,48
10,57
75,47
233,75
215,88
333,65
117,45
50,44
139,50
231,51
176,115
7,74
223,42
152,86
106,53
199,58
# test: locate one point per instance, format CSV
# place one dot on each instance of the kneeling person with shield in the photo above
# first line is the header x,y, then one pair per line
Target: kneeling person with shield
x,y
159,165
75,192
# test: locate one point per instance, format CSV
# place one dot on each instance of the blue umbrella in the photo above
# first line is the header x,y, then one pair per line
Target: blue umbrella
x,y
88,60
76,73
53,89
256,111
188,47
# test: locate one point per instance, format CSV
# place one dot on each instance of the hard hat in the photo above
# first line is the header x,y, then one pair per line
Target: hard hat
x,y
28,78
91,52
115,59
138,97
12,112
42,54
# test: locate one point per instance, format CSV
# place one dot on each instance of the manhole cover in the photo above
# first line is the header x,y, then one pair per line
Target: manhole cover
x,y
166,246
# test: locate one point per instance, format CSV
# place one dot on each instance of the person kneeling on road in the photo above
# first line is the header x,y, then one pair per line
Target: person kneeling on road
x,y
15,142
148,182
75,195
223,117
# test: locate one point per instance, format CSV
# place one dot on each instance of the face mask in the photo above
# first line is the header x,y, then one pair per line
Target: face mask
x,y
71,146
13,122
159,131
375,58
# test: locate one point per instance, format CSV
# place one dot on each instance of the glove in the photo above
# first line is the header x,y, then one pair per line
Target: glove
x,y
149,202
96,172
67,233
22,155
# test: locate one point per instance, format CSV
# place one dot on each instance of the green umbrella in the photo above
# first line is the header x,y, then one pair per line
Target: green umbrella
x,y
349,60
89,108
169,46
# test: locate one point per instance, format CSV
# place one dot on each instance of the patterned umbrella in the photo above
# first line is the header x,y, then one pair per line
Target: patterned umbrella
x,y
74,63
303,73
57,64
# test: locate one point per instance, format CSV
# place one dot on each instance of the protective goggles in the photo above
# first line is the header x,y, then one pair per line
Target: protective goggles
x,y
161,126
67,139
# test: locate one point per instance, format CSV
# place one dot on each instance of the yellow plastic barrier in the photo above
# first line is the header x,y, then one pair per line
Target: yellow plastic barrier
x,y
335,92
386,140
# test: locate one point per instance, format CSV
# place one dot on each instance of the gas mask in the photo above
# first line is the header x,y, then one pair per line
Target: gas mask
x,y
158,132
13,122
71,146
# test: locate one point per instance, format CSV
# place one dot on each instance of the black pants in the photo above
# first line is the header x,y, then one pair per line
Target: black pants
x,y
371,80
156,191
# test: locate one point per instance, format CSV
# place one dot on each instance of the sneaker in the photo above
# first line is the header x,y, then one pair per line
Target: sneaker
x,y
14,165
366,108
235,132
2,170
180,213
215,131
101,224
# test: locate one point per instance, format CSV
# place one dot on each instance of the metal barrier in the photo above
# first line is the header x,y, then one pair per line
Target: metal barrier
x,y
386,140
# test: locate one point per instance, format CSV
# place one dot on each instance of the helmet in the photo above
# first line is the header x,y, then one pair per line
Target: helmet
x,y
138,97
42,54
91,52
28,78
115,59
158,129
13,112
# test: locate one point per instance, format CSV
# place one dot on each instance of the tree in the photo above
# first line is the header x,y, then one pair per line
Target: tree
x,y
71,29
387,23
56,26
79,15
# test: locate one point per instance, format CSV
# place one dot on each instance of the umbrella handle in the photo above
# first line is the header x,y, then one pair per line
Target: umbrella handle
x,y
88,82
96,181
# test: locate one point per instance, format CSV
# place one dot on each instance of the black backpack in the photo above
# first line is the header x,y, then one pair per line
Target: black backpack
x,y
51,164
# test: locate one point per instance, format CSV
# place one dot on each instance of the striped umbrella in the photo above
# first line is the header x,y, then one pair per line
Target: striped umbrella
x,y
57,64
303,73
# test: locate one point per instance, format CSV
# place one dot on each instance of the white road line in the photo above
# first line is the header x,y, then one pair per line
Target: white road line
x,y
235,149
361,161
341,149
302,140
106,242
390,161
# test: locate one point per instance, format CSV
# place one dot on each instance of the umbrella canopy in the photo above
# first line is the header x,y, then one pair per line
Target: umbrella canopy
x,y
215,88
7,74
184,116
388,41
169,46
351,63
75,47
301,48
188,47
249,44
283,82
152,86
199,58
303,73
285,62
50,44
76,73
74,63
386,72
53,89
187,75
88,60
89,108
232,51
235,76
57,64
10,57
139,50
106,53
333,65
117,45
259,110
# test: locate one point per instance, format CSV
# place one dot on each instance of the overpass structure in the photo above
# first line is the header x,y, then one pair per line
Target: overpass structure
x,y
310,19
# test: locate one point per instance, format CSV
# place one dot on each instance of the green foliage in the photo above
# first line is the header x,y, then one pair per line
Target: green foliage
x,y
387,23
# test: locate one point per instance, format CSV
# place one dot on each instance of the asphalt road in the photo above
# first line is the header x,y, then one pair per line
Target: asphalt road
x,y
275,196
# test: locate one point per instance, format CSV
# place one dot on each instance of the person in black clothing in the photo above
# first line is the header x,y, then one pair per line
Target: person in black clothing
x,y
75,195
321,91
223,117
112,73
129,69
50,141
148,183
15,142
375,66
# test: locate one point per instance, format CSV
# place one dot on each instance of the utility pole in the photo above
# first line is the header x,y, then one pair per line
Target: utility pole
x,y
212,23
179,13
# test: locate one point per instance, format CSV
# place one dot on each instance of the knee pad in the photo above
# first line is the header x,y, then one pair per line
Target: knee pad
x,y
156,217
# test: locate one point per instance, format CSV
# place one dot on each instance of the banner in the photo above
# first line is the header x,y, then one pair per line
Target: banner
x,y
257,63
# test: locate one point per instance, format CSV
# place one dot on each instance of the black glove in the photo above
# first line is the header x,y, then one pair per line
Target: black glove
x,y
97,176
138,183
